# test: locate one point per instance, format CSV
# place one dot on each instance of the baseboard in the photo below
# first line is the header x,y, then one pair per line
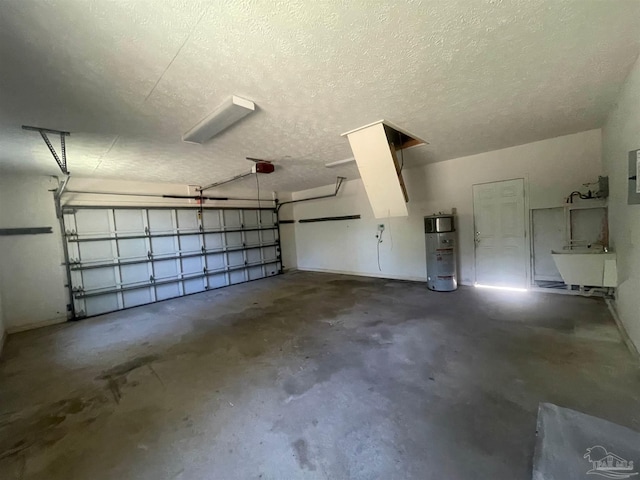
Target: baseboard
x,y
623,331
361,274
31,326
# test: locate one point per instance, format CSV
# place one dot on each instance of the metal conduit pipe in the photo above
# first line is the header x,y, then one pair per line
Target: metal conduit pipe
x,y
217,184
158,195
339,182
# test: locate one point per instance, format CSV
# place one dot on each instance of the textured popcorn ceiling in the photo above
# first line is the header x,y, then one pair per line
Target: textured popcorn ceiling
x,y
128,78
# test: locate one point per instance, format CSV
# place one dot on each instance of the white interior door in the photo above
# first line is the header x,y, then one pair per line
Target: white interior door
x,y
501,248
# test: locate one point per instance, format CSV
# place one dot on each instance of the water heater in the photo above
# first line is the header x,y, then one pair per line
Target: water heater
x,y
440,232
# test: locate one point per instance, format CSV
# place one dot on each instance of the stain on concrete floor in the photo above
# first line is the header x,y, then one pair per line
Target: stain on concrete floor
x,y
309,375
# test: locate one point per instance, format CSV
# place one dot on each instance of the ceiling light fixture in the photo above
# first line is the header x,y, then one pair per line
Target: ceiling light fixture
x,y
229,112
337,163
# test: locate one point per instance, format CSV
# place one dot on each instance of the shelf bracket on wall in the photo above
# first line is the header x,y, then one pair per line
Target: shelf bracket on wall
x,y
61,159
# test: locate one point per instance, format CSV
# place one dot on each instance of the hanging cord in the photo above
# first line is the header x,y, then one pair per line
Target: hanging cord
x,y
390,231
259,204
378,247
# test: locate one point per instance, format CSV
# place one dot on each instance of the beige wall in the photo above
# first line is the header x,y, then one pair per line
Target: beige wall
x,y
31,274
551,168
621,134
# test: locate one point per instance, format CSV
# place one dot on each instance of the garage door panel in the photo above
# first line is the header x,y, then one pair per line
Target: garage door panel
x,y
233,239
252,238
211,219
96,251
253,256
235,259
237,277
129,221
133,298
213,241
217,281
98,278
268,218
132,248
269,236
101,304
192,265
250,218
93,222
269,253
134,274
193,286
165,269
187,220
160,221
163,246
255,273
189,243
167,291
175,238
232,218
215,262
69,222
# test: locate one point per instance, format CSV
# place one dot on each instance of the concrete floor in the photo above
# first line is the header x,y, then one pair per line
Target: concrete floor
x,y
309,375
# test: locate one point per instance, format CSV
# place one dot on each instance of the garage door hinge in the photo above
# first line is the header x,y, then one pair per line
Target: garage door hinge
x,y
151,279
146,230
202,249
149,255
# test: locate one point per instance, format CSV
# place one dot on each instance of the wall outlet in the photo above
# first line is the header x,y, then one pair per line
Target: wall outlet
x,y
381,227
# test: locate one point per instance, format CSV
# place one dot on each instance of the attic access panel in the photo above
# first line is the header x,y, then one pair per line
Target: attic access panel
x,y
375,148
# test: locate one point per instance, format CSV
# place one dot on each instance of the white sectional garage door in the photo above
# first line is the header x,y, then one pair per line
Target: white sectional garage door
x,y
124,257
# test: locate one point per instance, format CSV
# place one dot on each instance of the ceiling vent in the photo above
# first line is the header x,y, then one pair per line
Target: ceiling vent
x,y
374,147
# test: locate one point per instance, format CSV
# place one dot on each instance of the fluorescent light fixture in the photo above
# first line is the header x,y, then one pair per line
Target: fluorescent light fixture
x,y
495,287
232,110
339,162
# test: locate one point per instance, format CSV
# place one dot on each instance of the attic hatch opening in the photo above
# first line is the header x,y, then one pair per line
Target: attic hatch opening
x,y
375,148
398,141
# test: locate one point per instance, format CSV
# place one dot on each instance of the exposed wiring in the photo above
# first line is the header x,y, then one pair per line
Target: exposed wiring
x,y
379,237
575,193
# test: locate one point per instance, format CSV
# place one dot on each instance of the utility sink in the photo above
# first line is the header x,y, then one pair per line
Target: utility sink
x,y
587,267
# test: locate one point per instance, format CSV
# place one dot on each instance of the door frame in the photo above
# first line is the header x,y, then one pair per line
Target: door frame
x,y
526,221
